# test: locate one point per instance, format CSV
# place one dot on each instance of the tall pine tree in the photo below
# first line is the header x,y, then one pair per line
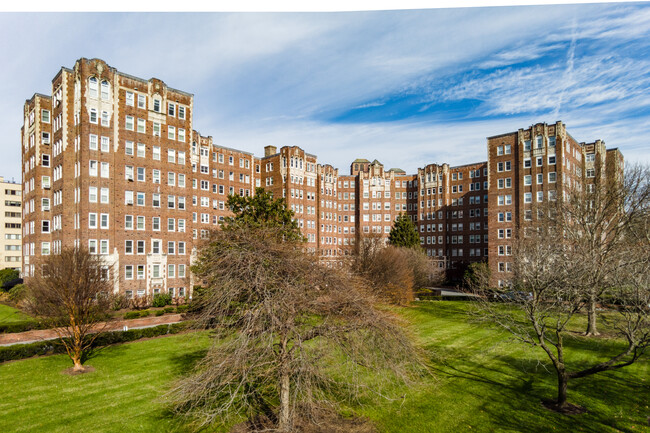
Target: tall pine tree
x,y
404,233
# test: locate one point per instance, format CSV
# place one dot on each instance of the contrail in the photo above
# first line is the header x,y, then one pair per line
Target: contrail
x,y
568,72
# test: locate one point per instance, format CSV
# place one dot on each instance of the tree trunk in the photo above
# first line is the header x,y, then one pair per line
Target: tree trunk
x,y
592,328
284,422
562,382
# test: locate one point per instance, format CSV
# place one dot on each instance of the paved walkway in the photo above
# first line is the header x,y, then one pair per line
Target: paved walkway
x,y
117,325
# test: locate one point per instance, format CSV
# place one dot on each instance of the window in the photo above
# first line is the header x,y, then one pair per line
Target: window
x,y
142,126
105,118
92,246
156,129
171,155
181,134
155,224
92,87
528,197
551,141
93,115
140,222
552,176
181,157
142,101
171,132
45,160
141,150
128,123
45,248
103,195
128,247
45,137
92,142
181,247
128,272
526,145
171,109
128,222
171,247
105,144
527,163
45,116
140,196
528,180
141,175
156,104
45,226
129,98
140,270
104,172
156,200
181,112
105,89
171,270
156,153
92,194
128,148
140,247
538,142
103,221
155,246
551,160
128,172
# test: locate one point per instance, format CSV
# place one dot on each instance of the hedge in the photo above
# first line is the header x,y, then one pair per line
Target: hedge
x,y
51,347
27,325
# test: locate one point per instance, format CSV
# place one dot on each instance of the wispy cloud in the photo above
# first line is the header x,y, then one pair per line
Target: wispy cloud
x,y
401,86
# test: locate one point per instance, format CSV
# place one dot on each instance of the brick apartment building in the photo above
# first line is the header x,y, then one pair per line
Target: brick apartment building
x,y
112,162
529,167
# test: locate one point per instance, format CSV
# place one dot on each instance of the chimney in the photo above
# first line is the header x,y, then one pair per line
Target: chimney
x,y
270,150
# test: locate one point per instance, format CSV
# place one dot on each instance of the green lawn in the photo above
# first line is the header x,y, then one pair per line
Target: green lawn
x,y
482,381
11,315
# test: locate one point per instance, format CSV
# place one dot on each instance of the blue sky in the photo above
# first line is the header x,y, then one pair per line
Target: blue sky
x,y
405,87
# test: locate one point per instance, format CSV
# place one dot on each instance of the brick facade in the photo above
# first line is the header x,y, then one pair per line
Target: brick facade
x,y
112,162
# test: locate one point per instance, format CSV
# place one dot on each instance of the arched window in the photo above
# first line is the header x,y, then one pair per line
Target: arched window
x,y
92,86
105,88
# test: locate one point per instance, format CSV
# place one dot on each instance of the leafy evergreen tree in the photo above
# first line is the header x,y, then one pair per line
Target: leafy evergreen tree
x,y
262,210
404,233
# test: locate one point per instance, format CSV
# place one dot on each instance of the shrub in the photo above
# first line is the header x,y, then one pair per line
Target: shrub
x,y
182,308
159,313
162,299
22,351
131,315
167,310
145,313
22,326
119,302
17,293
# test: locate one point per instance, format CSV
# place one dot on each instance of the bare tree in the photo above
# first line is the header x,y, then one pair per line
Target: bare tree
x,y
70,293
395,273
594,217
282,322
551,261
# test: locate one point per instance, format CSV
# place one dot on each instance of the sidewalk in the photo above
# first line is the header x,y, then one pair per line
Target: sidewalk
x,y
117,325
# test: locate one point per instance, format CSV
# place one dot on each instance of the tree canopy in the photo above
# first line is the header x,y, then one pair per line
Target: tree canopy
x,y
262,210
404,233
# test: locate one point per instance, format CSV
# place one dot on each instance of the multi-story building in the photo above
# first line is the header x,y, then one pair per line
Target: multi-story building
x,y
10,227
112,162
527,168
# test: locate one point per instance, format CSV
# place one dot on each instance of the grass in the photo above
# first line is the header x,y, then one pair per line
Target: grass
x,y
482,381
12,315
